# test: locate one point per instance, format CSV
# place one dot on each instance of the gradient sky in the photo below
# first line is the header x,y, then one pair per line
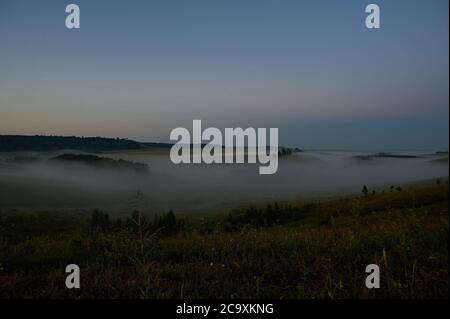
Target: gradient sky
x,y
138,69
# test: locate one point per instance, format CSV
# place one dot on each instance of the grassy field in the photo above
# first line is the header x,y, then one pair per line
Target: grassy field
x,y
315,249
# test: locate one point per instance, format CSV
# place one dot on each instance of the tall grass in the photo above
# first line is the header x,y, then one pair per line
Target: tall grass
x,y
297,250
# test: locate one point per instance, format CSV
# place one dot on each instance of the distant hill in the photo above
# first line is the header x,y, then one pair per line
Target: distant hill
x,y
40,143
384,155
17,143
98,161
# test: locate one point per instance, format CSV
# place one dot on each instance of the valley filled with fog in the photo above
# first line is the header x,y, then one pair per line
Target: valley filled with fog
x,y
35,182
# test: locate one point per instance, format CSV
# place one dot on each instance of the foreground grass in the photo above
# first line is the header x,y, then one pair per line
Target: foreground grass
x,y
310,250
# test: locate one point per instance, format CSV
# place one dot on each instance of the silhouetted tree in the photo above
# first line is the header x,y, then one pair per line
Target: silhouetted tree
x,y
364,190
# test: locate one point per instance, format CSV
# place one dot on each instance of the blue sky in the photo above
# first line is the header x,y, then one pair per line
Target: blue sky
x,y
138,69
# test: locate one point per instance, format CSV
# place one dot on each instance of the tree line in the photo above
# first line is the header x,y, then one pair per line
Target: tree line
x,y
17,143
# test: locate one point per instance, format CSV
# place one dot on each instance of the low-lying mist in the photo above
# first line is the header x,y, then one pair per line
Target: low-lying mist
x,y
45,184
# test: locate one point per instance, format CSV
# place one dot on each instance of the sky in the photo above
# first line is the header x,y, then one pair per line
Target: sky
x,y
138,69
